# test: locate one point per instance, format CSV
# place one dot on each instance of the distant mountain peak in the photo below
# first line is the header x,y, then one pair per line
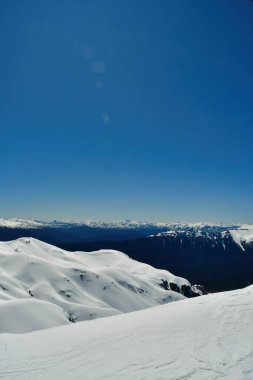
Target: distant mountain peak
x,y
126,224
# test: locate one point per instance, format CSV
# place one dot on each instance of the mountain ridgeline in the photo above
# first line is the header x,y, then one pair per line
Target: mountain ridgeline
x,y
216,258
219,257
43,286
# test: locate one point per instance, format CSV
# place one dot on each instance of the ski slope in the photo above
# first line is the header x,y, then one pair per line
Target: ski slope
x,y
43,286
204,338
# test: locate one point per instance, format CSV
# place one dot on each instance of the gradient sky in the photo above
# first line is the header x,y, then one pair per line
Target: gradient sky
x,y
123,109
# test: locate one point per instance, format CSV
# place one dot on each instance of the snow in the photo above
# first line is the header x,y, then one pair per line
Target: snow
x,y
127,224
205,338
196,229
243,235
21,316
38,279
145,336
20,223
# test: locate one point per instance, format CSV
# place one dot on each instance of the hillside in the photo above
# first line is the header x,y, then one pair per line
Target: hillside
x,y
48,286
205,338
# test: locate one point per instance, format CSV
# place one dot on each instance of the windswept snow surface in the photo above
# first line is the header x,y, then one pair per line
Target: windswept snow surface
x,y
43,286
20,316
205,338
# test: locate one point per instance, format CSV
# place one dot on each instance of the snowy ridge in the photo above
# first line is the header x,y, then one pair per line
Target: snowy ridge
x,y
127,224
206,338
76,286
241,235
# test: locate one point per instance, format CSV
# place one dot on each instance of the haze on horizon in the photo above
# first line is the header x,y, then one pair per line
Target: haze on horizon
x,y
126,110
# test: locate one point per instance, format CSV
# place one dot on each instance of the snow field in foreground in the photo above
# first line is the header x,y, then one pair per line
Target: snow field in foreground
x,y
204,338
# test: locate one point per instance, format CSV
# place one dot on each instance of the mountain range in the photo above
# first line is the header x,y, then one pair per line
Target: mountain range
x,y
157,326
55,232
217,256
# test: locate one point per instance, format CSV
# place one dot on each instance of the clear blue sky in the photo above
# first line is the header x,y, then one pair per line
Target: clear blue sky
x,y
126,109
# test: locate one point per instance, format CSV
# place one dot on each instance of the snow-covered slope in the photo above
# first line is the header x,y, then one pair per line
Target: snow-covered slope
x,y
82,285
204,338
213,235
243,235
19,316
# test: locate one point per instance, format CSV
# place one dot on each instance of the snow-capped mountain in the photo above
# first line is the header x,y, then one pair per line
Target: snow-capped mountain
x,y
243,236
56,232
216,256
43,286
205,338
29,223
213,236
127,224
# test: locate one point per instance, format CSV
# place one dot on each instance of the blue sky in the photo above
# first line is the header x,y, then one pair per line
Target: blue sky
x,y
126,109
